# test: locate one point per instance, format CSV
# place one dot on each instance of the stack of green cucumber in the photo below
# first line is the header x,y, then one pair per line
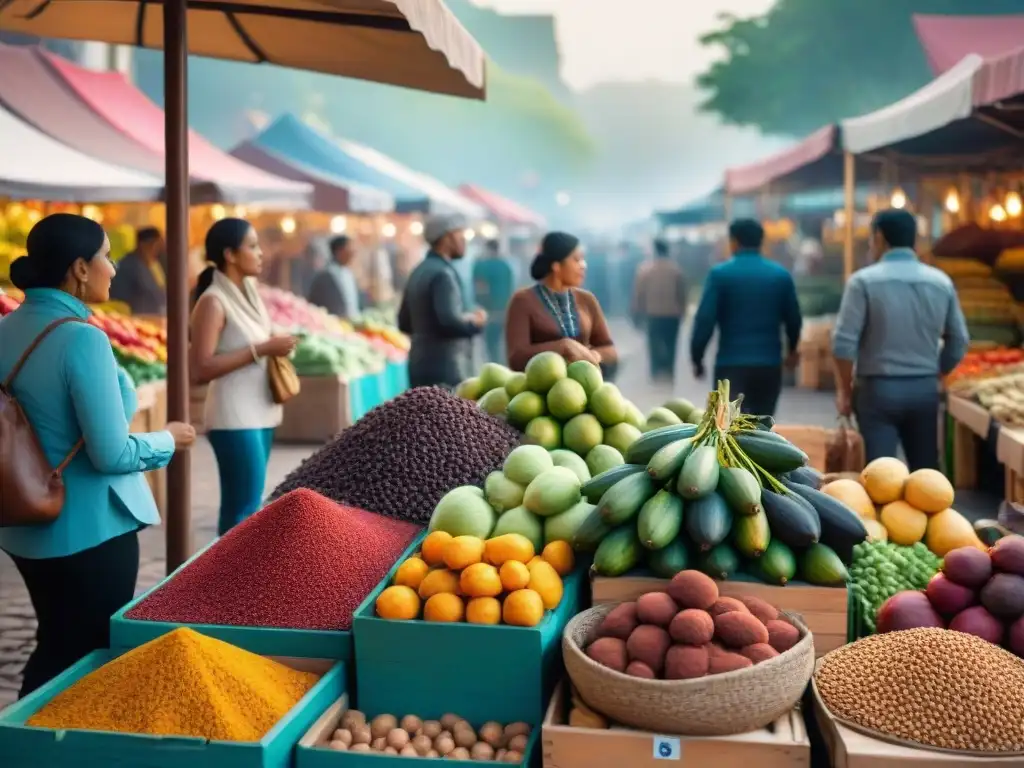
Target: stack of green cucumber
x,y
725,496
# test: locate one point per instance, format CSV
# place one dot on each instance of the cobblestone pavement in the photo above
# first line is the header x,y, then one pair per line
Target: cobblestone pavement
x,y
17,623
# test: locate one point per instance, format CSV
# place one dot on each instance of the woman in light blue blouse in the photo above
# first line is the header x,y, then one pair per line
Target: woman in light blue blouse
x,y
81,568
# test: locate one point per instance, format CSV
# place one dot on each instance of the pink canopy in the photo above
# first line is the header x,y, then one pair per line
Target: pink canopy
x,y
750,178
502,208
127,109
1000,77
948,39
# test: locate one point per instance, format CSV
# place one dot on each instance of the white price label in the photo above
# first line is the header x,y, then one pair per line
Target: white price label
x,y
667,748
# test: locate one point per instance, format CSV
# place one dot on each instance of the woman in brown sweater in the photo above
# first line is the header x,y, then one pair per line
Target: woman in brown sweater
x,y
556,315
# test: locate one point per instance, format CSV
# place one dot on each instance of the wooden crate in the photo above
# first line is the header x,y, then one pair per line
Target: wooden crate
x,y
151,416
823,608
811,440
321,410
783,744
850,749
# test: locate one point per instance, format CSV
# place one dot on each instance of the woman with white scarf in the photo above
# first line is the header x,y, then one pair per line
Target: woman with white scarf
x,y
232,338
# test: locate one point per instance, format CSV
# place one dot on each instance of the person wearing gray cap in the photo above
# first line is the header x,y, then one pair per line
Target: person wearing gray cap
x,y
434,311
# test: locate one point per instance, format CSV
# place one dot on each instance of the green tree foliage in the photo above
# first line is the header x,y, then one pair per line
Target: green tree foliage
x,y
806,63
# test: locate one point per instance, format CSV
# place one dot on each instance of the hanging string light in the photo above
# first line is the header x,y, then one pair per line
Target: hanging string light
x,y
1013,204
338,225
898,198
952,201
997,213
288,225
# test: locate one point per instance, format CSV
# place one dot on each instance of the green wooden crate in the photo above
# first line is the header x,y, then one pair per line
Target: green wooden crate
x,y
22,746
479,672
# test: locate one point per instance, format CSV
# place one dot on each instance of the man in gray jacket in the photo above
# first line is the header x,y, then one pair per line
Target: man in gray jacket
x,y
434,311
334,287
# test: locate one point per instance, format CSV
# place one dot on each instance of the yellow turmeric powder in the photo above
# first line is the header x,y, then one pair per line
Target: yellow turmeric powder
x,y
181,684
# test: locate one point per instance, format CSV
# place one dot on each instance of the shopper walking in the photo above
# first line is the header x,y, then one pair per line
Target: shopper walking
x,y
659,303
899,328
556,314
81,568
140,281
335,287
232,339
751,301
494,278
434,311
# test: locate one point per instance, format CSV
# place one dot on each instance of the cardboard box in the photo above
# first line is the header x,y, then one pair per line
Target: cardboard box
x,y
823,609
25,747
321,410
784,744
849,749
312,751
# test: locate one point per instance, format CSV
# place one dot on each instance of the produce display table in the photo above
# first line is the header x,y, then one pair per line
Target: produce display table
x,y
970,426
1010,453
152,417
823,609
784,744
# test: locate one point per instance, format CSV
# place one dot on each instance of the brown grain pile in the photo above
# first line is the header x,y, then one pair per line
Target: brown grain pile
x,y
934,687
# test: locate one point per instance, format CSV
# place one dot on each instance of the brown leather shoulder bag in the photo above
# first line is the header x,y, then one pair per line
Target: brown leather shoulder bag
x,y
31,491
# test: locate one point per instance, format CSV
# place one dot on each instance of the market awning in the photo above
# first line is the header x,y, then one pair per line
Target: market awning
x,y
110,96
944,100
501,208
816,162
413,43
1000,77
37,167
433,195
947,40
331,194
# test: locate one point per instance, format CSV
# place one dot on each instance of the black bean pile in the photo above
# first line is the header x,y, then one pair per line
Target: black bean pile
x,y
404,455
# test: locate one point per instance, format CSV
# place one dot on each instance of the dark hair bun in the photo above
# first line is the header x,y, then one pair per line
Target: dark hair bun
x,y
24,274
541,267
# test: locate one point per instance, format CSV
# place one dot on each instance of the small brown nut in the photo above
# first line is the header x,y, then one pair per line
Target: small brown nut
x,y
409,751
493,734
482,751
432,753
518,743
411,724
512,757
361,734
339,746
389,751
377,745
382,725
432,729
464,736
343,734
515,729
459,753
423,744
449,720
398,738
444,743
360,748
352,718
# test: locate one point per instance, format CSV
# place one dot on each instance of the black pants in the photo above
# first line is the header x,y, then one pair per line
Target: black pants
x,y
74,598
893,412
662,339
760,386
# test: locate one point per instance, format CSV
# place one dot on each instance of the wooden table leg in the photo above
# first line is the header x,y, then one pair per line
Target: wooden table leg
x,y
965,457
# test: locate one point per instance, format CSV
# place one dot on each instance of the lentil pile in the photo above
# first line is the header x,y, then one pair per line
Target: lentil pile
x,y
934,687
404,455
181,684
302,562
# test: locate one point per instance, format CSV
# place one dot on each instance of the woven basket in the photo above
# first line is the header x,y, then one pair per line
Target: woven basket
x,y
718,705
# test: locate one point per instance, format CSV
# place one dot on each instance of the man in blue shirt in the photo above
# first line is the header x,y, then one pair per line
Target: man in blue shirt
x,y
893,317
750,299
494,282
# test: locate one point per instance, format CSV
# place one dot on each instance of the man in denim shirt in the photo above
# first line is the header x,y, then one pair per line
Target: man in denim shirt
x,y
900,323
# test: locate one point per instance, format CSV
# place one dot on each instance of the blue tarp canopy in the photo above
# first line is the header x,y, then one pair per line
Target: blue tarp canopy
x,y
290,139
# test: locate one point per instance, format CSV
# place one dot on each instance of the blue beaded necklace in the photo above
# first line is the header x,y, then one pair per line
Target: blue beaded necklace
x,y
564,312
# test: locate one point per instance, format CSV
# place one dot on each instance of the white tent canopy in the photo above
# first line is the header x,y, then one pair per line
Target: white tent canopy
x,y
944,100
443,199
34,166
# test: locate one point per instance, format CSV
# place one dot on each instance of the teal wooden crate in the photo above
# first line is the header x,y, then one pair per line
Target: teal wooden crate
x,y
25,747
366,393
268,641
480,672
311,754
396,378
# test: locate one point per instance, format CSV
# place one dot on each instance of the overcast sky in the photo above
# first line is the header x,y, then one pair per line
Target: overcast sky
x,y
604,40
